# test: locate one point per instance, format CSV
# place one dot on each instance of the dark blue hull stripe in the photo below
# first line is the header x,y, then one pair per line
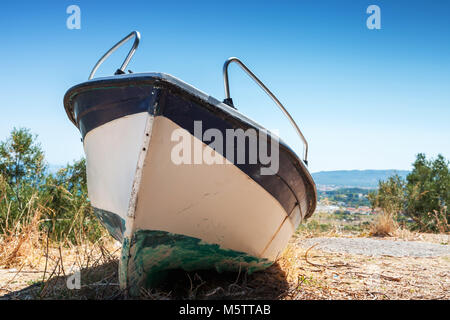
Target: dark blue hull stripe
x,y
95,103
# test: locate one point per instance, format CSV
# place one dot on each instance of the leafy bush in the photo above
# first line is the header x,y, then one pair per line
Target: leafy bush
x,y
56,204
69,212
428,193
423,197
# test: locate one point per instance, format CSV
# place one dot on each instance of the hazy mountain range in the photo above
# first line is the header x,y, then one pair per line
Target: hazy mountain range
x,y
355,178
339,178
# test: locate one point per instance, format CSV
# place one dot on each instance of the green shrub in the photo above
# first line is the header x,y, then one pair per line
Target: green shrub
x,y
423,197
26,188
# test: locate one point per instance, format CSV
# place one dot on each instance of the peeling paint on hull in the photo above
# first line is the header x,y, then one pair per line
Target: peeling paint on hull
x,y
152,253
112,222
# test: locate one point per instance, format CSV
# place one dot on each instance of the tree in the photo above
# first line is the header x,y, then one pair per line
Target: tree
x,y
21,158
390,198
424,197
428,193
66,197
22,168
56,204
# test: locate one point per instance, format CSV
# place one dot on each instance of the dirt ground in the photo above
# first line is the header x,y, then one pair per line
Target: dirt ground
x,y
300,273
340,275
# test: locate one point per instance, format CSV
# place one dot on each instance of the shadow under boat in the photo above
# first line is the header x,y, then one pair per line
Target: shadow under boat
x,y
101,283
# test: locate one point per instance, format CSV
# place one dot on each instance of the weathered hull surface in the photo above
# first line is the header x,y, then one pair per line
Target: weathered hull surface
x,y
190,216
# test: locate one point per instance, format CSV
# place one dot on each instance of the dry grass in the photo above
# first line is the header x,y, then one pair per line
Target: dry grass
x,y
22,239
29,256
323,224
34,267
324,275
300,273
441,220
383,225
437,238
44,274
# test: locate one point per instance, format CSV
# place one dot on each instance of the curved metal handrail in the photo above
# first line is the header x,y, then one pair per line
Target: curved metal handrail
x,y
229,101
121,70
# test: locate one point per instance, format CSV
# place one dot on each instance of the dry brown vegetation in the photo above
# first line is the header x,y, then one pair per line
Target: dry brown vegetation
x,y
383,225
42,273
33,266
300,273
21,239
324,275
32,260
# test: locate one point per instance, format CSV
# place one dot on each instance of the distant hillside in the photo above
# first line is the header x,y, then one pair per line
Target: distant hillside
x,y
355,178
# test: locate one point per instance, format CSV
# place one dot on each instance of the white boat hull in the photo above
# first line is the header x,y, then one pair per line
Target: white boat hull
x,y
189,216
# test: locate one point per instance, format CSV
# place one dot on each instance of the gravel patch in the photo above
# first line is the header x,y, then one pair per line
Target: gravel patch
x,y
377,247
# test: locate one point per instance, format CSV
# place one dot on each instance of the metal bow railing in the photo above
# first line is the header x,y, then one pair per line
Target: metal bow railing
x,y
229,101
121,70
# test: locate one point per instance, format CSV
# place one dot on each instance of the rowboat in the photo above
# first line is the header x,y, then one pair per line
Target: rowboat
x,y
183,180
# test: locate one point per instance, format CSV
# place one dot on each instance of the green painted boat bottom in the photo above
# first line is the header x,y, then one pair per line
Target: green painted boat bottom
x,y
152,253
144,263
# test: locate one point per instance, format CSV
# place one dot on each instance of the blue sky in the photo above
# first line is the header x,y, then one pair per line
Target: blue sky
x,y
365,99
